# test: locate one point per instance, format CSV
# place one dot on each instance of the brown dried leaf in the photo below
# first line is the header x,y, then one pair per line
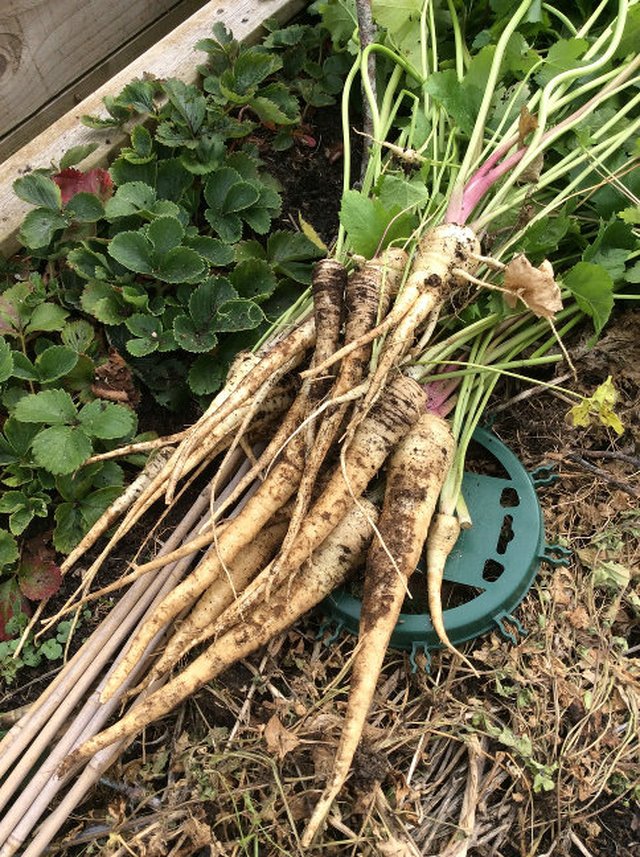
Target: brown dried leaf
x,y
535,287
526,124
280,740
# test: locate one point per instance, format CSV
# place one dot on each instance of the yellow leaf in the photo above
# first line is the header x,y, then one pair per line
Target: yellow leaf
x,y
312,235
598,407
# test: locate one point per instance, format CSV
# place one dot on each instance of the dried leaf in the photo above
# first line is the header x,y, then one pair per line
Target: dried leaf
x,y
280,740
535,287
526,124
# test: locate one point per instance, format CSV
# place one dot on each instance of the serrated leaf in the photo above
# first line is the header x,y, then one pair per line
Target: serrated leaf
x,y
291,254
218,185
141,141
238,314
47,317
206,375
165,233
370,225
76,154
89,264
228,227
55,362
107,420
78,335
61,448
130,198
142,347
6,360
592,288
240,196
133,251
8,549
562,55
188,101
23,368
39,190
250,69
85,208
254,279
104,303
12,605
401,192
52,407
39,227
216,252
180,265
192,336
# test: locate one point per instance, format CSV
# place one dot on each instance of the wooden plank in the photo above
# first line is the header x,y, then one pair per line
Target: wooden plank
x,y
92,78
173,56
47,45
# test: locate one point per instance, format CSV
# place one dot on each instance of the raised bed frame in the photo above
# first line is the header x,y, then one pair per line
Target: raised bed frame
x,y
173,56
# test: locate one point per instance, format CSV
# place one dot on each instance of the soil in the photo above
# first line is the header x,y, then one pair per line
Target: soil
x,y
235,768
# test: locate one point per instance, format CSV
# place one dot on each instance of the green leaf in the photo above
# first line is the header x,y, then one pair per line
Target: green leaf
x,y
76,154
130,198
188,101
401,192
291,253
61,449
55,362
8,549
23,368
53,407
89,264
141,142
39,190
6,360
39,227
240,196
544,236
250,69
562,55
592,288
218,186
206,375
165,233
191,336
370,225
459,101
47,317
51,649
133,251
180,265
78,335
104,302
228,227
107,420
216,252
238,314
85,207
19,436
148,330
254,279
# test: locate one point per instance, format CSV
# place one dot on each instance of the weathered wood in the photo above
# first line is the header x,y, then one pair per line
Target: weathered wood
x,y
173,56
46,44
91,75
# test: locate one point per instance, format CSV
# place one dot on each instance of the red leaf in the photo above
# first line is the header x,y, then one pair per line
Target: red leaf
x,y
39,576
72,181
12,602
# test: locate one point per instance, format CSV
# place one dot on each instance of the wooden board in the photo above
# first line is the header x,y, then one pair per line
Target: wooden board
x,y
173,56
91,75
46,44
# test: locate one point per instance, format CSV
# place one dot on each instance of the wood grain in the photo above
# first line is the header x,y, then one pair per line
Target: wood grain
x,y
172,56
46,44
91,76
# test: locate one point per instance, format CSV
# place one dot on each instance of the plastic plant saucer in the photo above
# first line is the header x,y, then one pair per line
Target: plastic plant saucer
x,y
492,565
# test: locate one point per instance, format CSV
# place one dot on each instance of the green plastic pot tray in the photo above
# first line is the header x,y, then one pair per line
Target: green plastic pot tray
x,y
492,565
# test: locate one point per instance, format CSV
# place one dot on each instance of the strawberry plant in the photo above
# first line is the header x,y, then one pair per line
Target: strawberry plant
x,y
158,260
